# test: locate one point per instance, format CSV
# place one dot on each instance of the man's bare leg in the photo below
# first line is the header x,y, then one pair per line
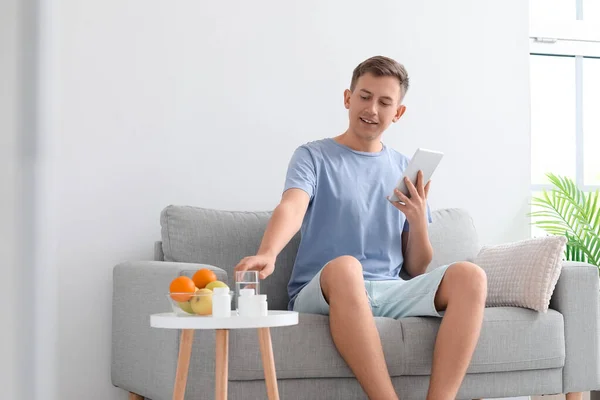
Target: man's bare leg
x,y
462,295
353,327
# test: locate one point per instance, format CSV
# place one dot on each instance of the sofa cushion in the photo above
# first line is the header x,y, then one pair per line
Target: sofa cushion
x,y
523,273
306,350
512,339
223,238
453,237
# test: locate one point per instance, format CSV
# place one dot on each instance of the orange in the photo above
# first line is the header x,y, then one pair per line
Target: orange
x,y
180,287
203,277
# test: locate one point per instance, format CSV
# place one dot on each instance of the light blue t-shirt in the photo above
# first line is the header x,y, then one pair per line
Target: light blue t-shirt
x,y
348,213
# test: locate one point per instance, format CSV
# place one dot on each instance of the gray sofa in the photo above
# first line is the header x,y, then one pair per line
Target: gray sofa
x,y
520,351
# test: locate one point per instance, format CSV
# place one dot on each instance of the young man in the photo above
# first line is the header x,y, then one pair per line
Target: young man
x,y
355,241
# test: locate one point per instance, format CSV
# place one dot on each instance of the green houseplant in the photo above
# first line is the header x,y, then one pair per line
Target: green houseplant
x,y
567,210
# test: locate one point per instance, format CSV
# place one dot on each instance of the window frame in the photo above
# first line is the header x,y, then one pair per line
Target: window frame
x,y
579,39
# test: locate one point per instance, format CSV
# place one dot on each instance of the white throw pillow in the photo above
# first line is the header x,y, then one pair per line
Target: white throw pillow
x,y
524,273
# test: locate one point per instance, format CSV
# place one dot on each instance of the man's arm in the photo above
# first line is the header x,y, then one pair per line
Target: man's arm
x,y
416,247
417,250
284,223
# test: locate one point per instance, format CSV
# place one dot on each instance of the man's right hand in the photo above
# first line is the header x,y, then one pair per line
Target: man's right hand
x,y
262,263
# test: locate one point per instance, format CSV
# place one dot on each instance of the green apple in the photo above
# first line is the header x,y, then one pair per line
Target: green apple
x,y
215,284
202,302
186,306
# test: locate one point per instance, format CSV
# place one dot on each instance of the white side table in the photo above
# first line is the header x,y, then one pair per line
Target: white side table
x,y
188,324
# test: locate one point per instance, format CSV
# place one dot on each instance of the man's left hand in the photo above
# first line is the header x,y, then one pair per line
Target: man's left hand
x,y
415,206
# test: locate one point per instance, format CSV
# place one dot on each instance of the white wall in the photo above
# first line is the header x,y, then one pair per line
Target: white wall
x,y
10,374
23,362
159,103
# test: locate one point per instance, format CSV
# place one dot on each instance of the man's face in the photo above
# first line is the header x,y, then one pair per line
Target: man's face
x,y
373,105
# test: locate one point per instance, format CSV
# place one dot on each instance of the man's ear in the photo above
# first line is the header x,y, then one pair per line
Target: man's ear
x,y
399,112
347,95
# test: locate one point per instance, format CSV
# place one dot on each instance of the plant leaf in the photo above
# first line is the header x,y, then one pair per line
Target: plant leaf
x,y
567,210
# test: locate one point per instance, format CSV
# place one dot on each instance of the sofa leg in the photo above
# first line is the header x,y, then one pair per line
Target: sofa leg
x,y
575,396
133,396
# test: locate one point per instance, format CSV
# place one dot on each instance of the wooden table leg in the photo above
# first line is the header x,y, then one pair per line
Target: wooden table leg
x,y
183,363
221,360
266,351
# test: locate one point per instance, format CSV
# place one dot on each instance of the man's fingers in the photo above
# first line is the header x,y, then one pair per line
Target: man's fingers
x,y
401,196
411,188
241,268
401,204
427,188
420,188
266,271
243,265
248,264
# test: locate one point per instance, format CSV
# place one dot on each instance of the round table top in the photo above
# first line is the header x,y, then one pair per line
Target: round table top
x,y
174,321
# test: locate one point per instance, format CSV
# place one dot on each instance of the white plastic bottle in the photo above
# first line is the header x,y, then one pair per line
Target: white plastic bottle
x,y
245,302
221,303
261,305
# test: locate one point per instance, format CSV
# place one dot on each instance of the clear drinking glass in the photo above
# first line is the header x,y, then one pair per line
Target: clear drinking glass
x,y
246,280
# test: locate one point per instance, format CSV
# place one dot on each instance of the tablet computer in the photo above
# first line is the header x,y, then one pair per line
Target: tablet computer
x,y
424,160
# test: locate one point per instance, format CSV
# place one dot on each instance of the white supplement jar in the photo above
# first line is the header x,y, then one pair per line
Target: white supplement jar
x,y
221,302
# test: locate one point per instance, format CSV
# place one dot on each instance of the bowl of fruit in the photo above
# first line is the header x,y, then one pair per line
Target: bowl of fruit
x,y
193,296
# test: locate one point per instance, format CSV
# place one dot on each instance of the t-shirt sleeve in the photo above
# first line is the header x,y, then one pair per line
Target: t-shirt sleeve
x,y
406,227
301,173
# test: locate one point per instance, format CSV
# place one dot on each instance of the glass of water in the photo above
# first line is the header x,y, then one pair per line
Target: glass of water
x,y
246,280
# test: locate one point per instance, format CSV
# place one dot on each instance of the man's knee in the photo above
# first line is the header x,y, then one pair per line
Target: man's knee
x,y
342,275
462,280
468,279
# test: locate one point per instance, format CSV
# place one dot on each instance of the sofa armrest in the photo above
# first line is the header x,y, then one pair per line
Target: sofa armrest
x,y
144,359
576,297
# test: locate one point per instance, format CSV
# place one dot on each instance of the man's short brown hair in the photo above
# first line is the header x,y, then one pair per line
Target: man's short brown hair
x,y
381,66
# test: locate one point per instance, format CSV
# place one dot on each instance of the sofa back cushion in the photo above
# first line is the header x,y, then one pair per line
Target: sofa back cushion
x,y
453,237
223,238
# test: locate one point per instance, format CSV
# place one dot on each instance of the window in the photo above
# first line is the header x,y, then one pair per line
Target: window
x,y
591,121
553,116
565,92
